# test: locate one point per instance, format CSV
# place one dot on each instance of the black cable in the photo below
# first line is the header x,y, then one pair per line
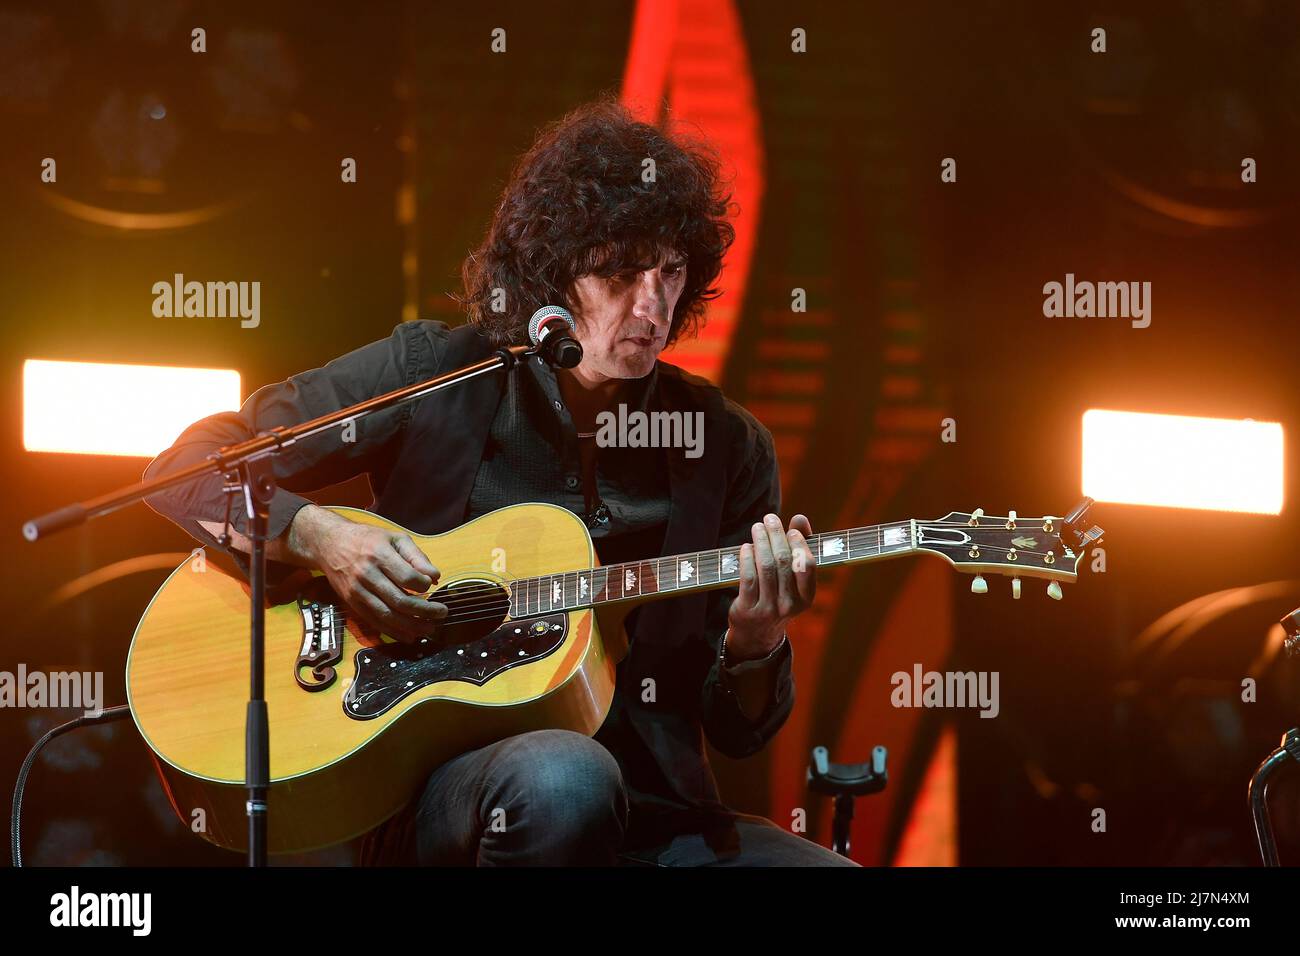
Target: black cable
x,y
15,821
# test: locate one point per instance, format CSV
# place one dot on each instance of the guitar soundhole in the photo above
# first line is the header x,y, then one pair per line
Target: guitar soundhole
x,y
475,608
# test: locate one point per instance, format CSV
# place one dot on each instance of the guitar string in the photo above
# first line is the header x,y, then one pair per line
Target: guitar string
x,y
502,606
466,596
854,536
476,597
474,590
473,597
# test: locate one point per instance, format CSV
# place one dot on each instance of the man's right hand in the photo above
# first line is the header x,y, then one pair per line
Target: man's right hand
x,y
381,574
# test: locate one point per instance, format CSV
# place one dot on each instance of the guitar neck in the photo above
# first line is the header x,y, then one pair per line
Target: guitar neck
x,y
700,571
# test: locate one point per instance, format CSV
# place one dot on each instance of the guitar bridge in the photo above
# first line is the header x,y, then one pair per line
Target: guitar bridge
x,y
322,645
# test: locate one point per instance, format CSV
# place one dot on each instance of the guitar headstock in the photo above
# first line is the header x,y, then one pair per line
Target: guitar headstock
x,y
1045,547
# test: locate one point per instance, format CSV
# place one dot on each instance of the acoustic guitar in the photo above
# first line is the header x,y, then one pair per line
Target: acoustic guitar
x,y
532,639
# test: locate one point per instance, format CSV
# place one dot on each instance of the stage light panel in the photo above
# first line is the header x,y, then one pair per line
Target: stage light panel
x,y
94,408
1180,461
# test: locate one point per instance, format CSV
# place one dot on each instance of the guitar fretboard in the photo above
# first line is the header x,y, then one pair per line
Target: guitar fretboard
x,y
703,570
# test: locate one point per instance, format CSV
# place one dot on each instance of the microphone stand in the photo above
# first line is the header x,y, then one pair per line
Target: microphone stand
x,y
247,469
1257,792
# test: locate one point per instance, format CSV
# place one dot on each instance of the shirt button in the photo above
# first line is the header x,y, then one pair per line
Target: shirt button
x,y
572,482
559,405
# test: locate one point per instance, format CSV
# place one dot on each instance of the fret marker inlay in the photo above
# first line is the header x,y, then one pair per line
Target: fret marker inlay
x,y
686,571
832,547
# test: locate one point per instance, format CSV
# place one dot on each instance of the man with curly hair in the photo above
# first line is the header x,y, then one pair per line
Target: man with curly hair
x,y
635,258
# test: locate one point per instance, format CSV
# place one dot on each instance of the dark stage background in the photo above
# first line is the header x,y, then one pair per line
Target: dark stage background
x,y
924,304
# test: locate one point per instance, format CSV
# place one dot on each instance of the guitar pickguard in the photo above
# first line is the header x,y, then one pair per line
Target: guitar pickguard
x,y
388,673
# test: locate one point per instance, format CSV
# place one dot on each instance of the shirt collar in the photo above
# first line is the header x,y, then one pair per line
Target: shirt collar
x,y
640,394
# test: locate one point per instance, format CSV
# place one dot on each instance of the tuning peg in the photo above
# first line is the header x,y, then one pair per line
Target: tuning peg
x,y
975,517
1054,591
1011,521
1015,588
979,585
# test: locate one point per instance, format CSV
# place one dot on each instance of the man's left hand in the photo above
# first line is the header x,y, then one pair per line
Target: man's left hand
x,y
778,580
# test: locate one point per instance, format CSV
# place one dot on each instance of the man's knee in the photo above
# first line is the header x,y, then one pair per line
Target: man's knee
x,y
556,786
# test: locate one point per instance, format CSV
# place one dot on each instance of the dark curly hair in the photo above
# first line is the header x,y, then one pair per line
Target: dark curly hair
x,y
575,204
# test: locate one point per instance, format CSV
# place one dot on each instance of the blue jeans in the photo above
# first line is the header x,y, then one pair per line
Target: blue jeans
x,y
556,798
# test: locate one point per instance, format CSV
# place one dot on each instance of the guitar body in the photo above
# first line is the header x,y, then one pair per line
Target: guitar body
x,y
358,722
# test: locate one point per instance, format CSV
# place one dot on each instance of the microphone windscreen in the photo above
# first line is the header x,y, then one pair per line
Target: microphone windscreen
x,y
543,314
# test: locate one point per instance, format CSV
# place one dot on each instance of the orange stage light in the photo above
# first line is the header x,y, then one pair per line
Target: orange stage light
x,y
1178,461
94,408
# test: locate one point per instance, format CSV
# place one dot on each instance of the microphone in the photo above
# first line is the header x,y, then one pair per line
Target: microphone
x,y
551,330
